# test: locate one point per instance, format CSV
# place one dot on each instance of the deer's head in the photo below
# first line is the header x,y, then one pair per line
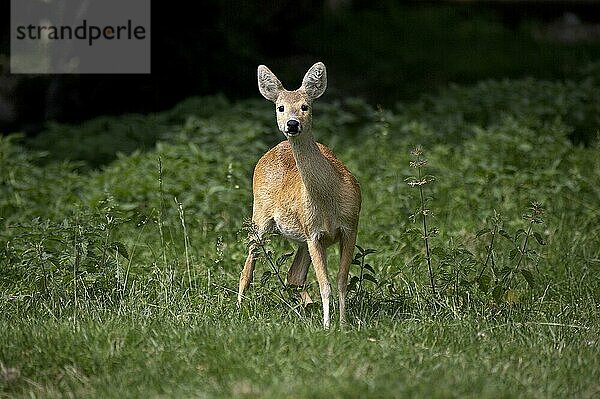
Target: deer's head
x,y
293,108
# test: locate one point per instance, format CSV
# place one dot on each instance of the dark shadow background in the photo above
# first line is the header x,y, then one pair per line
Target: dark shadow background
x,y
382,51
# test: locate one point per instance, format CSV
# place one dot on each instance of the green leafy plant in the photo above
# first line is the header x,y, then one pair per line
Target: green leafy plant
x,y
261,251
422,212
260,243
493,229
365,271
519,254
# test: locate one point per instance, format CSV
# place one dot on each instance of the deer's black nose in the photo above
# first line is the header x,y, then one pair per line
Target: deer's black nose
x,y
293,126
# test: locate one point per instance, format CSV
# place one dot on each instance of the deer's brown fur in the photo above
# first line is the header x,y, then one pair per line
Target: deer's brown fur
x,y
303,191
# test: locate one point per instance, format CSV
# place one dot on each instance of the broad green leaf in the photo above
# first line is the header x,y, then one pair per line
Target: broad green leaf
x,y
498,293
484,282
265,277
513,253
283,258
505,234
120,248
539,238
482,232
369,268
528,277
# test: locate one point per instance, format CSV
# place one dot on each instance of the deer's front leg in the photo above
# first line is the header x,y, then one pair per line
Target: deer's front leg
x,y
262,223
246,274
319,261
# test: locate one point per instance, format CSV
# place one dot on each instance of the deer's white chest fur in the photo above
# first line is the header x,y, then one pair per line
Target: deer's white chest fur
x,y
314,218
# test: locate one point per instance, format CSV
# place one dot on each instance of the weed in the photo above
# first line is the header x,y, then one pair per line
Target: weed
x,y
496,226
286,295
366,271
419,181
521,251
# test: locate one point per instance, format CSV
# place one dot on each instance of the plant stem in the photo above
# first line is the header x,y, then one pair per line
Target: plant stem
x,y
522,253
524,247
425,237
259,242
360,279
489,254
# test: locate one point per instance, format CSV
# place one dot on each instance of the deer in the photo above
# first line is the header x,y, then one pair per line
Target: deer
x,y
302,191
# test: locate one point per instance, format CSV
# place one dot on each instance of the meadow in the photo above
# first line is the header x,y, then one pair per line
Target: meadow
x,y
118,274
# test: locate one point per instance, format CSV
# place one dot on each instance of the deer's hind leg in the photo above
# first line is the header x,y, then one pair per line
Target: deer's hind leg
x,y
347,243
298,271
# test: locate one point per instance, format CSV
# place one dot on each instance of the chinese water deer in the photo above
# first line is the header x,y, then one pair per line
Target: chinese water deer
x,y
303,191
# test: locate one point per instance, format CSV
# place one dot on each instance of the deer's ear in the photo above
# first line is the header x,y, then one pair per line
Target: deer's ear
x,y
268,84
315,81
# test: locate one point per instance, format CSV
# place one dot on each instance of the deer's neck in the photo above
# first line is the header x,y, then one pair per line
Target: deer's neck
x,y
317,173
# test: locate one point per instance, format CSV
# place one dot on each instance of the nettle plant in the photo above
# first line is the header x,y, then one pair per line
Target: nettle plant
x,y
419,163
523,259
458,272
288,295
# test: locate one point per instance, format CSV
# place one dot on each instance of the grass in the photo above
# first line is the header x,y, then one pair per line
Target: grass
x,y
118,276
113,356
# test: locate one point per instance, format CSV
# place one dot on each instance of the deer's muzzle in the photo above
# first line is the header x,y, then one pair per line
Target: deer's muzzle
x,y
292,127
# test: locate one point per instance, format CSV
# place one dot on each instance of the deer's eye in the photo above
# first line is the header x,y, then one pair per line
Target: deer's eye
x,y
304,107
280,108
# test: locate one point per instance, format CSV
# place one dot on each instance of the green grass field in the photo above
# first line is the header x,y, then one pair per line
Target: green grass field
x,y
118,275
